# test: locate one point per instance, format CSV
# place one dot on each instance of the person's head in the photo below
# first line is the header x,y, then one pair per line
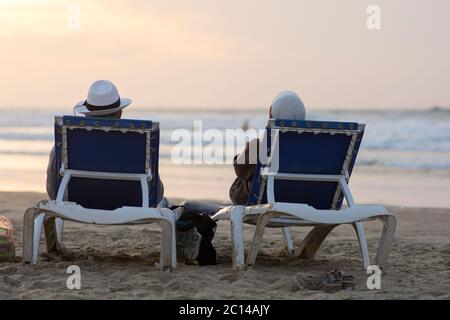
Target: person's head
x,y
287,105
115,115
103,101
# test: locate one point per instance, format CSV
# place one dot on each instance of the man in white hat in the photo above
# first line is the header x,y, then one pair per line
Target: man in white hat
x,y
103,101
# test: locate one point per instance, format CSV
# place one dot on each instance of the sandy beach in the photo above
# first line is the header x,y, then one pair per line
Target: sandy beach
x,y
352,90
121,262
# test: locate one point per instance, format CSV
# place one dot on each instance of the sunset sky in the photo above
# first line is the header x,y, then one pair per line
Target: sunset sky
x,y
226,53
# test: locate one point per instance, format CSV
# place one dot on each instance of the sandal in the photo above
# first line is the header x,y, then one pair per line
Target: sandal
x,y
337,280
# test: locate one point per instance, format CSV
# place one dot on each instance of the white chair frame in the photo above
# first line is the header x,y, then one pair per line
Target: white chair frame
x,y
62,210
284,215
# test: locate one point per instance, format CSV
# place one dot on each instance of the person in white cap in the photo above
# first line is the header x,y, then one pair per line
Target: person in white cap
x,y
103,101
286,106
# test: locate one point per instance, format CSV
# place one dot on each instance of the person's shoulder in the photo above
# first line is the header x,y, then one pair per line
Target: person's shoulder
x,y
253,143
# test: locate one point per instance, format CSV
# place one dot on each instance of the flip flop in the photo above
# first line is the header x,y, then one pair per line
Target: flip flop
x,y
338,280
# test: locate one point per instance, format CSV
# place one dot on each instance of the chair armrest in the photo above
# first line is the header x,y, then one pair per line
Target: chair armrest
x,y
142,178
272,176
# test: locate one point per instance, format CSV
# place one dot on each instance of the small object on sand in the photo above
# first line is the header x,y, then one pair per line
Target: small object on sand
x,y
345,281
195,232
330,282
348,282
337,280
7,247
307,281
188,245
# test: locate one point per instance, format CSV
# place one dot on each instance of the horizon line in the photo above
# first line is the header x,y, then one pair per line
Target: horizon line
x,y
246,109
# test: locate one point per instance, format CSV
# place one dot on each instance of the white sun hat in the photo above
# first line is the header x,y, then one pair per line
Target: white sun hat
x,y
103,99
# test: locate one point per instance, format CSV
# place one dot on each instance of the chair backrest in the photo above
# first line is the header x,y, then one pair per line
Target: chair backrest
x,y
312,148
108,146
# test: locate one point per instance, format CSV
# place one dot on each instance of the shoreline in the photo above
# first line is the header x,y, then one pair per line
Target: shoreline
x,y
369,184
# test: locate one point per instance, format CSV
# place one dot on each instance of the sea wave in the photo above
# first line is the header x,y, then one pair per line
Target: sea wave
x,y
423,136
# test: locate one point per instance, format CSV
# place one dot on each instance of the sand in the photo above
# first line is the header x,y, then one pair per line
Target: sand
x,y
121,262
369,184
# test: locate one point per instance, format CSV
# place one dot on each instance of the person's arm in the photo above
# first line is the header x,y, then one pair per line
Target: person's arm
x,y
245,163
51,176
160,195
49,222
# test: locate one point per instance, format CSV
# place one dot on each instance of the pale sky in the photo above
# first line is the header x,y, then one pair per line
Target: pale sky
x,y
227,53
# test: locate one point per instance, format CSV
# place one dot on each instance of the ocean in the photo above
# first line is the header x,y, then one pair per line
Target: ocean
x,y
397,139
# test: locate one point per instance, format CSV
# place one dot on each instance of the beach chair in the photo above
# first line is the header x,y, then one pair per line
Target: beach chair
x,y
305,185
107,171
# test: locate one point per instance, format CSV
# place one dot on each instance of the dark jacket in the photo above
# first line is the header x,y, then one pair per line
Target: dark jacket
x,y
240,189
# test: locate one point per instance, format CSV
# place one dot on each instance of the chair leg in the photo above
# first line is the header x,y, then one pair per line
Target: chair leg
x,y
166,243
237,236
289,241
387,237
28,236
172,218
312,242
31,235
257,238
59,223
359,228
38,223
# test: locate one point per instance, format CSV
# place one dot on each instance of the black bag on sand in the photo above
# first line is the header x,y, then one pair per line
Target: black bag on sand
x,y
194,240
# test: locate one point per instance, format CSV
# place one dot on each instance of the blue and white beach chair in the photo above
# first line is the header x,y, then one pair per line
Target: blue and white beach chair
x,y
306,187
107,175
